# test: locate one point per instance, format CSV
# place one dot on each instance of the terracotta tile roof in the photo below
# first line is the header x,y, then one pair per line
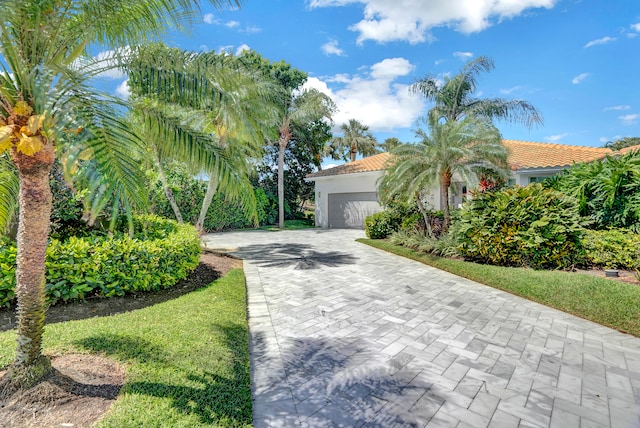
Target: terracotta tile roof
x,y
630,149
526,154
522,155
372,163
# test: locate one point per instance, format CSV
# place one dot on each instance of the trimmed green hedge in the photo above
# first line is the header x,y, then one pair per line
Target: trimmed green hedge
x,y
161,253
612,249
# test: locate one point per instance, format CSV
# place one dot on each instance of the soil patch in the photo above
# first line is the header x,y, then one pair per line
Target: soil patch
x,y
82,387
623,275
78,393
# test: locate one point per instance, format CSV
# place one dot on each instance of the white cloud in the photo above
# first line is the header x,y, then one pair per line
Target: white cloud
x,y
107,60
251,29
629,119
510,90
439,61
232,24
557,137
463,55
636,27
579,78
374,98
331,48
411,20
601,41
243,47
617,108
123,90
208,18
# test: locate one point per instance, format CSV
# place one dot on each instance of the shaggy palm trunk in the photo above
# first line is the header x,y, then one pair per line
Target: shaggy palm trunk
x,y
35,201
208,197
353,152
445,182
167,189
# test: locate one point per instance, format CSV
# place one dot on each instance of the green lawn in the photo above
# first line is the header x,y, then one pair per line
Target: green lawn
x,y
187,360
611,303
291,225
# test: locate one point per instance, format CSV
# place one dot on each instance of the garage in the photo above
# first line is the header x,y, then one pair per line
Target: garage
x,y
348,210
346,194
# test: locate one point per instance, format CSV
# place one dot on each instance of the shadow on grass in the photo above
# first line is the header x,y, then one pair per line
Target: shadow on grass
x,y
218,397
299,255
123,347
202,276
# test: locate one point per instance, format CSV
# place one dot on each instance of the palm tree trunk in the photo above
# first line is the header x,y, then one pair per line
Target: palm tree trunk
x,y
35,201
208,197
445,182
282,145
423,211
353,151
167,189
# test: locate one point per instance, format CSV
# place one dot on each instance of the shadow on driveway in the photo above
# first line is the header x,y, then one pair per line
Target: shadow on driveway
x,y
299,255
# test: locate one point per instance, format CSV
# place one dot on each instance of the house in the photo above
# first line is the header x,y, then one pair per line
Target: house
x,y
346,194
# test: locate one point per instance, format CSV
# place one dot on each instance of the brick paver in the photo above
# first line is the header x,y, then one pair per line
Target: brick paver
x,y
342,334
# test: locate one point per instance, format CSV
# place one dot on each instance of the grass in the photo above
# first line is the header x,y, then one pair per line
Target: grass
x,y
291,225
187,359
611,303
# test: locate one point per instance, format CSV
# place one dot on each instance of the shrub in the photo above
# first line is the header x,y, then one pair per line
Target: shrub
x,y
160,254
521,226
379,225
612,249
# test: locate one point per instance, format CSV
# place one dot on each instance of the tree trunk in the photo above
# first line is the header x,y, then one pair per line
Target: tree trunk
x,y
423,211
167,189
445,182
35,200
353,152
282,145
208,197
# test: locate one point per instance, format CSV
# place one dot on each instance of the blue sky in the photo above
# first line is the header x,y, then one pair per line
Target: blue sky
x,y
576,61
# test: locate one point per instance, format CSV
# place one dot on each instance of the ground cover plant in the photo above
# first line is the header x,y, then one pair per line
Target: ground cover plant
x,y
610,303
186,360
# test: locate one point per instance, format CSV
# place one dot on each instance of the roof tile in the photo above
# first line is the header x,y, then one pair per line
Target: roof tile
x,y
522,155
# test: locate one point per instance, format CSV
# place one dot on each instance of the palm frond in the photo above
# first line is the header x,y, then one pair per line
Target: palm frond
x,y
9,188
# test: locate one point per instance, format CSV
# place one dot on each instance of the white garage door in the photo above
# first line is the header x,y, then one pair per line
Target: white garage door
x,y
348,210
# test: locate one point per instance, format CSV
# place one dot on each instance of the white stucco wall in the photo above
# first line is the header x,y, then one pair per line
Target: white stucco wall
x,y
523,176
344,183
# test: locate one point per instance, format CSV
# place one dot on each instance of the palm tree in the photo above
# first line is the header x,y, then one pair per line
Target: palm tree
x,y
356,139
211,114
45,93
454,98
465,148
309,106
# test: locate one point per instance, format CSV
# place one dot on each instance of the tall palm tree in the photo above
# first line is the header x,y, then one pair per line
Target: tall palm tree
x,y
465,148
212,114
306,107
454,98
356,139
45,93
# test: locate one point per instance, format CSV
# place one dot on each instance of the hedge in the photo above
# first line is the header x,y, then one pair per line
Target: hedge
x,y
159,255
612,249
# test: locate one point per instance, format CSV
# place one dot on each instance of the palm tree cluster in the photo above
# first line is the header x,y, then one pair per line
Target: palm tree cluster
x,y
457,138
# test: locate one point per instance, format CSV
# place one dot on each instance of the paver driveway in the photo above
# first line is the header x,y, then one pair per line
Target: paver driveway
x,y
346,335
